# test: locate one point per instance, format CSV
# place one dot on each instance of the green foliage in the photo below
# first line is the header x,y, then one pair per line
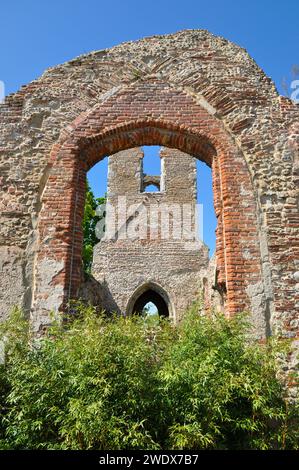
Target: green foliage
x,y
90,220
142,383
14,338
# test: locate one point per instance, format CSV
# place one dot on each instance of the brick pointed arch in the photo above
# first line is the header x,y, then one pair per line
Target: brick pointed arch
x,y
145,113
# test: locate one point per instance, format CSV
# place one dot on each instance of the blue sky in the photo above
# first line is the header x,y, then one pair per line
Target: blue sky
x,y
37,34
97,178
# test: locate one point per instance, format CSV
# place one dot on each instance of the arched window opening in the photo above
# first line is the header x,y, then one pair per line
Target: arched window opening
x,y
94,211
205,200
148,301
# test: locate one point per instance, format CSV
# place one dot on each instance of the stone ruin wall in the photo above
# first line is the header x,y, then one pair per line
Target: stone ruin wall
x,y
192,91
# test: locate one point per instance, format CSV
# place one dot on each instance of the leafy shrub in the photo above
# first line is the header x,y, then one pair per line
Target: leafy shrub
x,y
223,388
142,383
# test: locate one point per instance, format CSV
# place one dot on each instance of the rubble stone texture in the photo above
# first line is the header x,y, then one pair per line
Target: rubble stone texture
x,y
190,91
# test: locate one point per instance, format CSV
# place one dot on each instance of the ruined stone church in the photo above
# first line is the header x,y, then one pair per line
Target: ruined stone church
x,y
197,96
152,250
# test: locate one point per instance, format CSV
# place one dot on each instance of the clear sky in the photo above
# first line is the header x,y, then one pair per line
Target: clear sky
x,y
37,34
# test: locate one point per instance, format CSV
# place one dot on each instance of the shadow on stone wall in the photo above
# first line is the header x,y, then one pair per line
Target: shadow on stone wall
x,y
97,294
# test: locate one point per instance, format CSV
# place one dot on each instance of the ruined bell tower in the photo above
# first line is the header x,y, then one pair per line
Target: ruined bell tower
x,y
151,250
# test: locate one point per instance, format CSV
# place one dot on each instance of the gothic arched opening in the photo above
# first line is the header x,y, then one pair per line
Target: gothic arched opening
x,y
151,296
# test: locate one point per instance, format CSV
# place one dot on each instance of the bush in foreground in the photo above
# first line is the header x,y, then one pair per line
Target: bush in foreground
x,y
143,383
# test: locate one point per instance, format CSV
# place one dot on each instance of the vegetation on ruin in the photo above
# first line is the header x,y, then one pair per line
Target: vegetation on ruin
x,y
143,383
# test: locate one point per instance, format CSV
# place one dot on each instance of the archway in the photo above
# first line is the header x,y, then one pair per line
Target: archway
x,y
189,90
151,297
122,122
